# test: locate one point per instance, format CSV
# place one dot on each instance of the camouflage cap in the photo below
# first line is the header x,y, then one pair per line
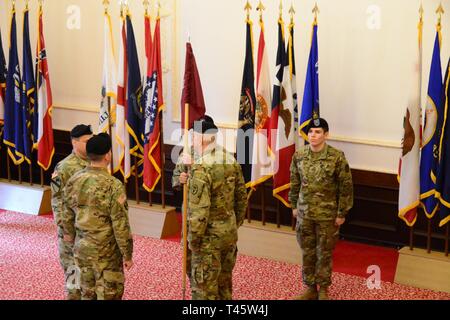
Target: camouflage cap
x,y
80,130
99,144
207,118
318,123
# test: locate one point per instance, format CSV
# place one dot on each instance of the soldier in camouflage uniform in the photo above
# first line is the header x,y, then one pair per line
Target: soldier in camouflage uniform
x,y
179,178
217,206
97,206
322,194
65,169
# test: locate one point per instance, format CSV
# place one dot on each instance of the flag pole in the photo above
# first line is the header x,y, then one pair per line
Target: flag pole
x,y
185,196
411,238
278,213
108,99
136,179
163,175
8,163
37,82
31,171
446,240
429,236
161,141
146,4
19,167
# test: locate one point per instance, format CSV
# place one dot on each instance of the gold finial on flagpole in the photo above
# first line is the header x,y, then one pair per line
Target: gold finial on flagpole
x,y
440,12
26,4
292,12
281,9
14,4
316,11
106,4
261,9
159,10
247,8
421,12
146,3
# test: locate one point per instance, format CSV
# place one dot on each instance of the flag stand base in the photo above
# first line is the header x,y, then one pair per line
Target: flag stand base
x,y
35,200
153,221
269,242
420,269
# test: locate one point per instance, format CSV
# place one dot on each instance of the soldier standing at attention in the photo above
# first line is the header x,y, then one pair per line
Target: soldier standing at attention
x,y
322,194
217,206
65,169
180,177
97,219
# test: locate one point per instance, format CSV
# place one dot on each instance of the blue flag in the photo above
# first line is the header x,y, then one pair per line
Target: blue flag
x,y
3,73
135,117
443,170
244,144
429,154
27,90
310,104
13,127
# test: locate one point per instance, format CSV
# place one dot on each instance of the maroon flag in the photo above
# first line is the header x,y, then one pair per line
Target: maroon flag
x,y
192,90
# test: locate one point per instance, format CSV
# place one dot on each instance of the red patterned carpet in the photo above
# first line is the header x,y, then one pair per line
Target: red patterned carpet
x,y
29,269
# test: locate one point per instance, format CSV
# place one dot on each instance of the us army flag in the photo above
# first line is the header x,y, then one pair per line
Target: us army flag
x,y
261,158
409,174
108,105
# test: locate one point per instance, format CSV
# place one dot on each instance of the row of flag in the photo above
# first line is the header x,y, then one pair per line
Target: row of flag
x,y
131,106
424,170
271,114
26,100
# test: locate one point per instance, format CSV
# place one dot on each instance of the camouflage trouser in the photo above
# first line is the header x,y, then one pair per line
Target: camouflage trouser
x,y
68,264
318,239
211,272
101,279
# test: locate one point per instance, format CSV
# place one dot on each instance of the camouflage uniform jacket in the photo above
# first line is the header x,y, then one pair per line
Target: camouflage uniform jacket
x,y
321,184
96,205
181,167
64,170
217,198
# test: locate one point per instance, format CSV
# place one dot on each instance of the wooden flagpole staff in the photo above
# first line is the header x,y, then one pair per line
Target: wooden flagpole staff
x,y
185,198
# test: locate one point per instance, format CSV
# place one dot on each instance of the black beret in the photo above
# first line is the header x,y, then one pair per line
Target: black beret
x,y
318,123
205,127
80,130
99,144
207,118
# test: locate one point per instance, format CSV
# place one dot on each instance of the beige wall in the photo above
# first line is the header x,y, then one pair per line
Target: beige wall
x,y
365,67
